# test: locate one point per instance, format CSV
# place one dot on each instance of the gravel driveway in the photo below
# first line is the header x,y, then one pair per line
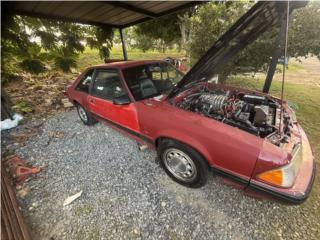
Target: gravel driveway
x,y
126,195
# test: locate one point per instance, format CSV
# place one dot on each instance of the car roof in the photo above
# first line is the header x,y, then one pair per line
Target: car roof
x,y
125,64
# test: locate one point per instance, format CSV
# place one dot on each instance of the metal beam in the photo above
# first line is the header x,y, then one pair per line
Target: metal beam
x,y
124,49
132,8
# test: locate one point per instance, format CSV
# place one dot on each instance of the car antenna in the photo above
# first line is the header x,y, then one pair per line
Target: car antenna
x,y
284,67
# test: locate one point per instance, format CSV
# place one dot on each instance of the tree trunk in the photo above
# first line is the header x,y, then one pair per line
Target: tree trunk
x,y
183,31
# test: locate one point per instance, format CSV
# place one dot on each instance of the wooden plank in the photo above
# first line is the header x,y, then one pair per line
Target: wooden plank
x,y
5,224
15,215
9,212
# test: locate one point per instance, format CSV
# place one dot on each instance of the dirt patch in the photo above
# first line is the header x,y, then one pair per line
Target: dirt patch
x,y
38,96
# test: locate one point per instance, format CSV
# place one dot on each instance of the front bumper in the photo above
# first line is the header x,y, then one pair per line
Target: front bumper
x,y
301,189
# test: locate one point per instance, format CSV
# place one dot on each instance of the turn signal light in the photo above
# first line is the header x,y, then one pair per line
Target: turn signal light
x,y
285,175
274,177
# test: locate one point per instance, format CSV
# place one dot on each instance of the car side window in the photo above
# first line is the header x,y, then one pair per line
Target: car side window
x,y
85,82
107,85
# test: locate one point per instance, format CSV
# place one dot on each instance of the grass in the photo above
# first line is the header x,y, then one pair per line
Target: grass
x,y
84,210
293,67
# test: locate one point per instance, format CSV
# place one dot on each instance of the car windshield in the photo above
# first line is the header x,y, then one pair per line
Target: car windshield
x,y
150,80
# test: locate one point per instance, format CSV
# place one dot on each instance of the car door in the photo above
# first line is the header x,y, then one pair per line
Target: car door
x,y
107,85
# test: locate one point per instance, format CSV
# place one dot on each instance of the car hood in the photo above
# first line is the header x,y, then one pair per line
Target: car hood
x,y
261,17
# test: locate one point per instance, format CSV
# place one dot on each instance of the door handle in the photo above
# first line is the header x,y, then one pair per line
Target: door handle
x,y
148,103
91,100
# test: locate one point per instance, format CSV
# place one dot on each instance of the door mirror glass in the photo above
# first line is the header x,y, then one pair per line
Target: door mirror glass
x,y
122,100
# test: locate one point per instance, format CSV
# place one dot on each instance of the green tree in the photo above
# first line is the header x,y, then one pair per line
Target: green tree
x,y
33,43
211,20
160,34
101,38
304,31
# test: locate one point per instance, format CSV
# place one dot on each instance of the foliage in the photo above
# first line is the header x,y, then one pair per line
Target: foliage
x,y
33,44
211,20
101,38
64,59
32,66
304,31
160,34
23,107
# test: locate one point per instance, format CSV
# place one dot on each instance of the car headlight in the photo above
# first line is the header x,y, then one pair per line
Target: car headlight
x,y
284,176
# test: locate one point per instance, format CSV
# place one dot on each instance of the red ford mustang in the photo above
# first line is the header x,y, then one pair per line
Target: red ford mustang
x,y
195,124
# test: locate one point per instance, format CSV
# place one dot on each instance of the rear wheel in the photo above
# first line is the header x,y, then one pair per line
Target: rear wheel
x,y
183,164
85,116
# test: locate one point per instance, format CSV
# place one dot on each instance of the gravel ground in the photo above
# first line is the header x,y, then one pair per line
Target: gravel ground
x,y
126,194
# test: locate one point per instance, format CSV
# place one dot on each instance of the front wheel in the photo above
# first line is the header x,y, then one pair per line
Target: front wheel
x,y
85,116
183,164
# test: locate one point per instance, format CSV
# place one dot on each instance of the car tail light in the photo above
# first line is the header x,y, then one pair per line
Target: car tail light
x,y
285,175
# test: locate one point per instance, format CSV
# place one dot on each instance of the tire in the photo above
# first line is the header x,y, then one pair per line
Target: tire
x,y
183,164
85,116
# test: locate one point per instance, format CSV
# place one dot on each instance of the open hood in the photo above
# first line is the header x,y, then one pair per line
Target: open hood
x,y
261,17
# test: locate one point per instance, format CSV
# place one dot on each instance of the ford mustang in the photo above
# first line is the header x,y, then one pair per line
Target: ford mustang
x,y
195,124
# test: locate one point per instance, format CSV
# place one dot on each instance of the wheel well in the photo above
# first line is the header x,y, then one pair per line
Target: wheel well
x,y
161,139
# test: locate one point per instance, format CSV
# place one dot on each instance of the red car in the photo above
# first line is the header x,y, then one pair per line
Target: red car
x,y
250,137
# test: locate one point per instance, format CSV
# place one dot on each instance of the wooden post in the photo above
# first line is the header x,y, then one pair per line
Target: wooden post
x,y
124,49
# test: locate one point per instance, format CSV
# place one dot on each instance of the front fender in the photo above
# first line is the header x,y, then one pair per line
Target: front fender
x,y
188,140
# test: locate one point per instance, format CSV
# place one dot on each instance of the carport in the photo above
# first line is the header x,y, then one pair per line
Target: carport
x,y
155,205
112,14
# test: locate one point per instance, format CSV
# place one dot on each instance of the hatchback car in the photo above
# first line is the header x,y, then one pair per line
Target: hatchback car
x,y
195,124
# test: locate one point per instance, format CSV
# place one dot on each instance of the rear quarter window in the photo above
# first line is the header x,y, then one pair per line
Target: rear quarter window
x,y
85,81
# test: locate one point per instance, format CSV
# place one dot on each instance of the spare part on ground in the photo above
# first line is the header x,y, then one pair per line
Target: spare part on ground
x,y
11,122
19,169
70,199
248,136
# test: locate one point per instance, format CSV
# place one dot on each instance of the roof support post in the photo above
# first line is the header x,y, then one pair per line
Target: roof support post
x,y
124,49
276,55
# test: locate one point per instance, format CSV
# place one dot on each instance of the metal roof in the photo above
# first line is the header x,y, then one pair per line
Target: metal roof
x,y
118,14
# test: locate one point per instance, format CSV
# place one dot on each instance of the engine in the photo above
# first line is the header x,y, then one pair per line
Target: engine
x,y
252,113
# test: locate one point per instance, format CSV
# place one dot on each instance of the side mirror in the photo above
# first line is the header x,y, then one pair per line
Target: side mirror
x,y
122,100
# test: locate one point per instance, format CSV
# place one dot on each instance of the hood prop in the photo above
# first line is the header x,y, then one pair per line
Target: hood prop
x,y
278,52
284,66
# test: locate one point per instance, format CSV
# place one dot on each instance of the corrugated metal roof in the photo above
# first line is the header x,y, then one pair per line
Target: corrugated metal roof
x,y
118,14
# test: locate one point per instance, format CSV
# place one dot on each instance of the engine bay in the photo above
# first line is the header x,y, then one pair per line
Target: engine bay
x,y
250,112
